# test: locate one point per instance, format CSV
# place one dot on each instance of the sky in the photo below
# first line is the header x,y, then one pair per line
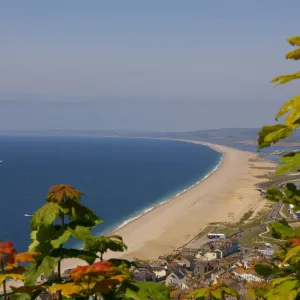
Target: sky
x,y
144,65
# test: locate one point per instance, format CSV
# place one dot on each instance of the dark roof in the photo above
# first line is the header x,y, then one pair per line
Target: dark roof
x,y
179,274
207,263
142,275
190,258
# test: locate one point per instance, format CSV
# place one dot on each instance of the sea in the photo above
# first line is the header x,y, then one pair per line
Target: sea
x,y
122,178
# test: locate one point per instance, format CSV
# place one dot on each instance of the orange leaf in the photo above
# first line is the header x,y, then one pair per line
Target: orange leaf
x,y
120,278
59,193
10,261
7,248
25,257
67,289
106,285
294,242
100,268
78,273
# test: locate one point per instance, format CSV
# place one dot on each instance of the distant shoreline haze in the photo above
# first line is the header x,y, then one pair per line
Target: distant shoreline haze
x,y
246,136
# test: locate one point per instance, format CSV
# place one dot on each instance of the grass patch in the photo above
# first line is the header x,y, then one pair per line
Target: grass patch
x,y
285,211
233,228
246,216
253,237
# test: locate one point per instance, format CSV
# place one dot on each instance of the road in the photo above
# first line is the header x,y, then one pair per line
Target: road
x,y
274,212
271,217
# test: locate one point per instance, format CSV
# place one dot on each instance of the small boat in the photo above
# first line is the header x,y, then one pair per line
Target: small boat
x,y
26,215
1,161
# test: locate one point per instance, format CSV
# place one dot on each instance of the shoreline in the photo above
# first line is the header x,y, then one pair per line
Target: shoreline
x,y
223,196
230,188
171,198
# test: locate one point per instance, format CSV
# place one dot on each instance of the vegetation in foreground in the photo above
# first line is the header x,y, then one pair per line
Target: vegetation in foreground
x,y
63,217
286,267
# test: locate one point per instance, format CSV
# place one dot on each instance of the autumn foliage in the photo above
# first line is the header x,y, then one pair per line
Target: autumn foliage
x,y
9,263
60,219
101,277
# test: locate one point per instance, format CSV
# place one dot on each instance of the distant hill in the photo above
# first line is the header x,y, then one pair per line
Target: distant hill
x,y
228,135
225,135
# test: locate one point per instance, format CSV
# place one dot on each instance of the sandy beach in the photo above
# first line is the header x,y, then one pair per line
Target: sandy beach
x,y
226,195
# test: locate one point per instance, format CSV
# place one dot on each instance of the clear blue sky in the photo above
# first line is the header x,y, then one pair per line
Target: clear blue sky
x,y
147,65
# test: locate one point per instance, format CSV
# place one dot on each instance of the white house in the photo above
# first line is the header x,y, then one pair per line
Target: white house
x,y
174,278
290,210
249,275
160,274
183,286
267,252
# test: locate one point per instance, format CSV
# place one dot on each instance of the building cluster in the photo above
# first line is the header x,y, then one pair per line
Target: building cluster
x,y
191,269
216,261
295,215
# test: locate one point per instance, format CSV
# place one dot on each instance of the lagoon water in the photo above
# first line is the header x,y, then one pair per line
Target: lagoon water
x,y
121,178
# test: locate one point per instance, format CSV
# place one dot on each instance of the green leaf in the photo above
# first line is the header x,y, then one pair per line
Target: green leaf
x,y
293,195
217,294
80,232
290,163
286,289
61,236
292,105
200,294
274,194
291,253
283,231
104,243
53,236
214,292
291,190
79,212
294,40
272,134
230,291
46,265
282,79
27,292
64,253
41,239
146,290
45,216
295,54
266,269
123,263
278,281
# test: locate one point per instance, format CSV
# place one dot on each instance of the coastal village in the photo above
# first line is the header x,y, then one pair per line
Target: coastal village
x,y
220,260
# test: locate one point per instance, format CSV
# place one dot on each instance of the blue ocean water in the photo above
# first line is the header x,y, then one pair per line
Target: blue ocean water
x,y
120,177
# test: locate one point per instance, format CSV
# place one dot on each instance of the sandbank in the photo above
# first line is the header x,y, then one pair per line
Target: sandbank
x,y
225,196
